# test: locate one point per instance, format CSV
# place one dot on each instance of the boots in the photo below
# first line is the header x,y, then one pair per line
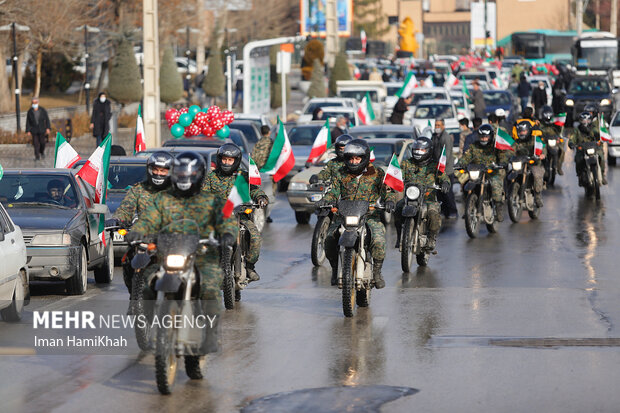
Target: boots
x,y
251,272
398,233
192,367
499,210
560,171
334,280
376,274
538,200
431,242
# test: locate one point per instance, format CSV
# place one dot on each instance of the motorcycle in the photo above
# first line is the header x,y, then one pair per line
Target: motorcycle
x,y
554,147
324,219
479,204
591,175
521,188
355,262
415,226
177,285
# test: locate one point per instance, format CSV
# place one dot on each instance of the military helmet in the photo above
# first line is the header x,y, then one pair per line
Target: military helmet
x,y
188,173
228,150
159,159
358,148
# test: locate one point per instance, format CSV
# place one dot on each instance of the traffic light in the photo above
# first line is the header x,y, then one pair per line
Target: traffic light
x,y
488,34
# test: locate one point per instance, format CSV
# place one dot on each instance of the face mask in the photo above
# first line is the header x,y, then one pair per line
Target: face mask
x,y
35,105
102,99
438,131
541,87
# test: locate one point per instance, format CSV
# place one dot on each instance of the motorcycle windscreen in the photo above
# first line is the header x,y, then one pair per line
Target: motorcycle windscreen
x,y
178,238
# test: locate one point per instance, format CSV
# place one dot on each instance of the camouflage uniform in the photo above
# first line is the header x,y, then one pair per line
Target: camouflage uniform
x,y
206,210
577,137
423,175
486,155
135,202
331,171
526,148
261,151
220,186
549,131
368,187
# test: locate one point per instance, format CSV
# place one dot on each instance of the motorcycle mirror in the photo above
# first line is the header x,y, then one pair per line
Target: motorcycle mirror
x,y
140,260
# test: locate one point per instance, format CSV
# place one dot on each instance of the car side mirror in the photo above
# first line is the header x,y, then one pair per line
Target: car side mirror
x,y
297,112
614,90
99,209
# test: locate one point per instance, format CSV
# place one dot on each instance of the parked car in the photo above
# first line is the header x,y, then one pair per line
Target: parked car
x,y
60,226
14,290
589,89
502,99
257,119
249,130
613,148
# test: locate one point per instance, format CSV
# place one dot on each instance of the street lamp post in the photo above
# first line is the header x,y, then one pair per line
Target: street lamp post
x,y
187,55
14,27
87,29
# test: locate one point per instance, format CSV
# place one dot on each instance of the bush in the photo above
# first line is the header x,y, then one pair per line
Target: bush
x,y
214,82
7,137
313,50
317,83
340,71
170,80
127,120
125,85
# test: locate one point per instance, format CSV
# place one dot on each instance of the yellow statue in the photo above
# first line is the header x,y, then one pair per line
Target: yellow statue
x,y
407,32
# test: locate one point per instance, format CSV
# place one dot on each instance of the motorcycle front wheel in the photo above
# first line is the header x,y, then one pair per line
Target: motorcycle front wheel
x,y
471,215
348,282
515,209
317,251
407,244
142,330
228,282
165,357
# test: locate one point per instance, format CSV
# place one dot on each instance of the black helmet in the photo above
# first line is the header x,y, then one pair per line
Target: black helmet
x,y
524,130
485,131
585,119
160,159
357,147
422,150
229,150
528,113
592,109
341,142
188,173
546,114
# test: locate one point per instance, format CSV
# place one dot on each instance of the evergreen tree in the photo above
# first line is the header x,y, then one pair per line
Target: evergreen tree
x,y
170,80
369,16
214,83
340,71
317,82
124,85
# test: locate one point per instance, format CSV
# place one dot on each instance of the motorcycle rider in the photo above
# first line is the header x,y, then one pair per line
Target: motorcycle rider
x,y
220,182
359,180
421,169
186,200
524,146
593,110
550,130
330,172
585,133
484,152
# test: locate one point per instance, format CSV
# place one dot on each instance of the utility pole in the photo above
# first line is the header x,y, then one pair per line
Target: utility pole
x,y
597,14
579,17
486,36
331,32
150,113
613,22
200,41
14,27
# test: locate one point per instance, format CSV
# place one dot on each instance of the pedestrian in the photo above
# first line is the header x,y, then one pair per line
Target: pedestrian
x,y
480,108
401,106
100,119
365,75
445,142
340,128
68,130
38,128
523,90
375,75
465,131
317,113
238,89
539,97
472,137
387,75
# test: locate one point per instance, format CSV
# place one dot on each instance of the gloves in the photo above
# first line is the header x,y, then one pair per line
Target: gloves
x,y
445,187
314,179
321,204
571,145
262,201
133,236
112,222
227,241
390,206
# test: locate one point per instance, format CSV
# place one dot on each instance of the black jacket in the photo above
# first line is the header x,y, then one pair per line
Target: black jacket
x,y
398,112
539,97
37,128
524,88
102,113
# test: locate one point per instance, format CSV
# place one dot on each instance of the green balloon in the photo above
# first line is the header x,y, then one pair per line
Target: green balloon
x,y
224,132
205,110
185,120
193,110
177,130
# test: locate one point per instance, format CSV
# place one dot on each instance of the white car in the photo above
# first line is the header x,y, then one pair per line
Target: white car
x,y
424,93
614,147
426,111
332,112
460,102
14,291
312,104
258,119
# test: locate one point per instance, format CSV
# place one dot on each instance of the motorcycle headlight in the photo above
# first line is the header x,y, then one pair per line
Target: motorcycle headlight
x,y
590,151
175,261
605,102
570,102
474,175
298,186
517,165
352,221
51,239
413,192
551,142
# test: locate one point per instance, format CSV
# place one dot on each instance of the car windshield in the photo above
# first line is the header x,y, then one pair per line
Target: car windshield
x,y
433,112
417,97
358,95
383,152
585,86
321,104
472,76
38,190
391,90
616,121
247,129
459,101
333,115
496,99
381,135
122,176
303,135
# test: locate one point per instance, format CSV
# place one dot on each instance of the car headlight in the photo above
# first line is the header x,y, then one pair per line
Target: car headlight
x,y
352,221
517,165
298,186
551,142
570,102
51,239
413,192
175,261
605,102
474,175
590,151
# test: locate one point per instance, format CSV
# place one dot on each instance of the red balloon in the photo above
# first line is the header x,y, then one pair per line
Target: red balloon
x,y
228,117
208,131
170,113
183,110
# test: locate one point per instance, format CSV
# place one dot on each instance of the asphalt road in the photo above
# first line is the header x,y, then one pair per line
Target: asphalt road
x,y
523,320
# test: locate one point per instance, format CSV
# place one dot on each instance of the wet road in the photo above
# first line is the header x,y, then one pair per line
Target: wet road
x,y
523,320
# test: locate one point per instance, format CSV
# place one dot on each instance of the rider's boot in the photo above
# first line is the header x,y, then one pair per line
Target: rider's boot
x,y
192,367
334,280
499,209
538,199
251,272
431,241
376,274
398,232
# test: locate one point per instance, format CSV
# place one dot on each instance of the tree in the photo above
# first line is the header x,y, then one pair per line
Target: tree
x,y
125,85
314,50
369,16
214,82
170,81
339,72
317,82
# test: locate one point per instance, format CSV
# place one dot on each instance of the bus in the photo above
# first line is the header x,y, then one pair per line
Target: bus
x,y
597,54
540,46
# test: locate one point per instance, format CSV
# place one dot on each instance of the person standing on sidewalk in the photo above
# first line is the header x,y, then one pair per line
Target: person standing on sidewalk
x,y
38,127
100,120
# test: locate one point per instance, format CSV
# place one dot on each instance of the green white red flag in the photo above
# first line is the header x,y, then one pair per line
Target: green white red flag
x,y
559,119
605,135
441,165
410,83
281,159
239,194
253,173
394,175
140,140
538,146
365,112
321,144
466,91
503,140
451,81
64,154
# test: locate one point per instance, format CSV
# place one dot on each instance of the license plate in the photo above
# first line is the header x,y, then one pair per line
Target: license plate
x,y
118,237
316,197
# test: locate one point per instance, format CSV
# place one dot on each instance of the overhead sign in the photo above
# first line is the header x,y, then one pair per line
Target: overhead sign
x,y
478,36
260,94
313,17
236,5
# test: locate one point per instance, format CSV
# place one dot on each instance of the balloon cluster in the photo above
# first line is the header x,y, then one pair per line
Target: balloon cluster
x,y
193,121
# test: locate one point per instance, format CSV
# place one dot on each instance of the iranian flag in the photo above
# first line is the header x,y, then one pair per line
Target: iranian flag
x,y
64,154
322,142
239,194
410,83
466,91
95,170
441,166
281,159
139,141
451,81
605,135
365,112
559,119
496,84
364,42
538,146
394,176
253,173
428,82
372,154
503,140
